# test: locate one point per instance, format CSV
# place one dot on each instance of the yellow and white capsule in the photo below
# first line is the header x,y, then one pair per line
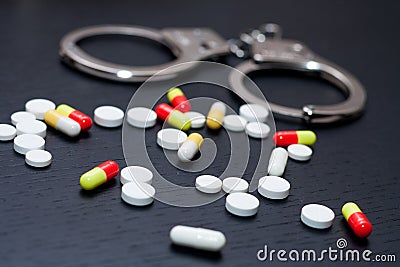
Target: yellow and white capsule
x,y
190,147
62,123
216,115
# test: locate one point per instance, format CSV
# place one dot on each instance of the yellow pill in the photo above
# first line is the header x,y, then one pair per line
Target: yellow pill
x,y
216,115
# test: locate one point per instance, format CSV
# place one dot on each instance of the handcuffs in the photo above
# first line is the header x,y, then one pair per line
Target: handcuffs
x,y
263,47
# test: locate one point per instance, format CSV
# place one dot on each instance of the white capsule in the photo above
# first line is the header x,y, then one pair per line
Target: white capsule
x,y
277,161
190,147
199,238
62,123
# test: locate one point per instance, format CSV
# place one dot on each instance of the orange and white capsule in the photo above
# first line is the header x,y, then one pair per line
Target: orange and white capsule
x,y
216,115
190,147
84,120
62,123
357,220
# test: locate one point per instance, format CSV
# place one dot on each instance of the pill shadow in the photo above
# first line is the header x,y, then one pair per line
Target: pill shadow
x,y
240,218
92,193
137,208
315,231
362,242
196,253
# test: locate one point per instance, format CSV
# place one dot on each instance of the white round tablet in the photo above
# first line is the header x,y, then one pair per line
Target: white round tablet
x,y
38,158
39,107
108,116
142,117
170,138
257,130
208,184
137,194
273,187
27,142
21,116
197,119
253,112
242,204
234,185
32,127
234,123
299,152
7,132
317,216
136,173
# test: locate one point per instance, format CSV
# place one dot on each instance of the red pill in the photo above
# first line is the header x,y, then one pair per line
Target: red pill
x,y
178,99
357,220
84,120
174,117
99,175
286,138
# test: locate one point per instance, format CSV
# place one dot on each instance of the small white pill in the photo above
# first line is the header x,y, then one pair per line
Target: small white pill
x,y
138,194
273,187
197,119
38,158
253,112
208,184
170,138
317,216
234,123
142,117
198,238
136,173
21,116
242,204
234,185
277,161
257,130
108,116
7,132
27,142
31,127
39,107
299,152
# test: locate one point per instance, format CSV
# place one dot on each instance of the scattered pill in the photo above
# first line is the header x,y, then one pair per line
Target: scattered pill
x,y
38,158
84,120
254,112
197,119
286,138
242,204
141,117
357,220
7,132
62,123
234,185
178,100
234,123
190,147
174,117
171,139
31,127
198,238
27,142
99,175
277,161
21,116
108,116
138,194
136,173
208,184
317,216
216,115
39,107
257,130
273,187
299,152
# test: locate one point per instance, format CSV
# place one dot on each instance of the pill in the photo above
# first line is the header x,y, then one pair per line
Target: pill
x,y
257,130
174,117
286,138
137,194
108,116
242,204
84,120
234,185
7,132
273,187
171,139
317,216
31,127
234,123
62,123
197,119
215,116
190,147
208,184
99,175
21,116
357,220
38,158
26,142
141,117
299,152
198,238
253,112
39,107
277,161
136,173
178,99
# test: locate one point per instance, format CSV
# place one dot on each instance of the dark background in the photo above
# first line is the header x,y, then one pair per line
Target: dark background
x,y
47,220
